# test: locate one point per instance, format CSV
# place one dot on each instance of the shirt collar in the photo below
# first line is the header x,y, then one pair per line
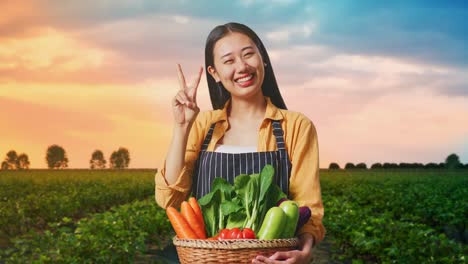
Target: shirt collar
x,y
272,112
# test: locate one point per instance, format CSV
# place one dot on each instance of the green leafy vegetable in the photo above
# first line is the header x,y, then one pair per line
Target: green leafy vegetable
x,y
210,206
243,205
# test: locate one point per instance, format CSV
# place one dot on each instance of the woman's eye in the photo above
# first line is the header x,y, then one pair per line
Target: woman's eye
x,y
248,54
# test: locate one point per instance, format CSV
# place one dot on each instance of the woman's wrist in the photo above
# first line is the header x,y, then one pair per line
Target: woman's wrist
x,y
307,242
185,127
181,133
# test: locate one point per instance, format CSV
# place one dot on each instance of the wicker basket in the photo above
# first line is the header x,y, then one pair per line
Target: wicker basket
x,y
229,251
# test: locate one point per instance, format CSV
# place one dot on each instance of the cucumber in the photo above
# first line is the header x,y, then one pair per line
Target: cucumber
x,y
273,224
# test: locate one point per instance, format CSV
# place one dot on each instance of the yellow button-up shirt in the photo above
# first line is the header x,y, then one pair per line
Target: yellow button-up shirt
x,y
301,144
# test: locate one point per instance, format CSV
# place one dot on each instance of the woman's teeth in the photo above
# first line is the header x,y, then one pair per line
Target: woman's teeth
x,y
245,79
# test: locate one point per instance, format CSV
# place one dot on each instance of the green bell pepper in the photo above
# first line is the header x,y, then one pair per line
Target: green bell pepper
x,y
291,209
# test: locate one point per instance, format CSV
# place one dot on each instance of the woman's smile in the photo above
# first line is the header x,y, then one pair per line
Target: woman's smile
x,y
245,80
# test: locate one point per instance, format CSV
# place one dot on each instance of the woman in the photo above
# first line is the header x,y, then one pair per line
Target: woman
x,y
249,123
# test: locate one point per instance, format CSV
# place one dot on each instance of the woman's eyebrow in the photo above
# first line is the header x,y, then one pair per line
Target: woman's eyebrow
x,y
229,53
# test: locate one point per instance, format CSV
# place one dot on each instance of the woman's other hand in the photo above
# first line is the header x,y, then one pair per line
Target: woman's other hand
x,y
184,104
286,257
303,256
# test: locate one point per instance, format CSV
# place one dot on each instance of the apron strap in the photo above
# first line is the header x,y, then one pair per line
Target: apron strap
x,y
278,132
207,140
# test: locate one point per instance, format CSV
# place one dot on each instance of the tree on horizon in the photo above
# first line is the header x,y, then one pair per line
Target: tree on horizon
x,y
431,165
453,162
361,165
23,162
119,159
97,160
13,161
56,157
388,165
334,166
349,165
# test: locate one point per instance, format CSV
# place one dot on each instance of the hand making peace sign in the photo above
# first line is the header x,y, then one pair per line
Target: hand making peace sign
x,y
184,104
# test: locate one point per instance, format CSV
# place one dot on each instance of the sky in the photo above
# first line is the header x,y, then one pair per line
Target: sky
x,y
381,81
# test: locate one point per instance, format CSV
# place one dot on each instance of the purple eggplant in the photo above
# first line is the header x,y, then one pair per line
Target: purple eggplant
x,y
304,214
280,201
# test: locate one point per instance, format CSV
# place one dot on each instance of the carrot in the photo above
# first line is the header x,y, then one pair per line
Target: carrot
x,y
198,212
180,225
189,215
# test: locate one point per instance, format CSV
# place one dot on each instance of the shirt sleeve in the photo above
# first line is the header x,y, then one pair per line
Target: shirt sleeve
x,y
305,181
174,194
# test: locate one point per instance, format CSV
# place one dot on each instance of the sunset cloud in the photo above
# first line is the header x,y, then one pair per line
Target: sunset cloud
x,y
49,49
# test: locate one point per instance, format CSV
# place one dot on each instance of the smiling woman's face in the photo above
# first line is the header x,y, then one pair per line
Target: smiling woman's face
x,y
238,65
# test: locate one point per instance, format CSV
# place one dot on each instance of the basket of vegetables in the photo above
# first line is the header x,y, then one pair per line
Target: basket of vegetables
x,y
235,223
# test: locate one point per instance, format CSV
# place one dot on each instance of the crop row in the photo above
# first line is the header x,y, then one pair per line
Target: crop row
x,y
30,200
399,217
115,236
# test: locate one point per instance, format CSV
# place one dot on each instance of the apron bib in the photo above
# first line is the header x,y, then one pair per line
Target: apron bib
x,y
211,165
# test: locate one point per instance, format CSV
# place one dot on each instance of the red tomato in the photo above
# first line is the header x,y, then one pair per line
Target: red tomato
x,y
235,233
248,233
224,234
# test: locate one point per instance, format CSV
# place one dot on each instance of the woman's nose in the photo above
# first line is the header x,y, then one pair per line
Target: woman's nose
x,y
241,65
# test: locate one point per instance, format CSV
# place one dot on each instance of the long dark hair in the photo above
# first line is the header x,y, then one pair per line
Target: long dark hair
x,y
218,94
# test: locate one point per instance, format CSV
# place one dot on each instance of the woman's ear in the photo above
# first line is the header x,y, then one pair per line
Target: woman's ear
x,y
213,73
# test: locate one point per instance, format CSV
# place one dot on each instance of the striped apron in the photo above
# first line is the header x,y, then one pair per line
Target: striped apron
x,y
211,165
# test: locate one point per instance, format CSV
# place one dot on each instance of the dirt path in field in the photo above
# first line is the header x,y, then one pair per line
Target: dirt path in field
x,y
322,254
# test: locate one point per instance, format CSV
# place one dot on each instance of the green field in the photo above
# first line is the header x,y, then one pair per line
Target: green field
x,y
412,216
372,216
32,199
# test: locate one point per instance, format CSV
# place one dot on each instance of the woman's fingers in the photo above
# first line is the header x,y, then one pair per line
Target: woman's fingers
x,y
183,95
279,257
185,108
178,100
181,98
264,260
187,95
282,255
193,88
180,74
